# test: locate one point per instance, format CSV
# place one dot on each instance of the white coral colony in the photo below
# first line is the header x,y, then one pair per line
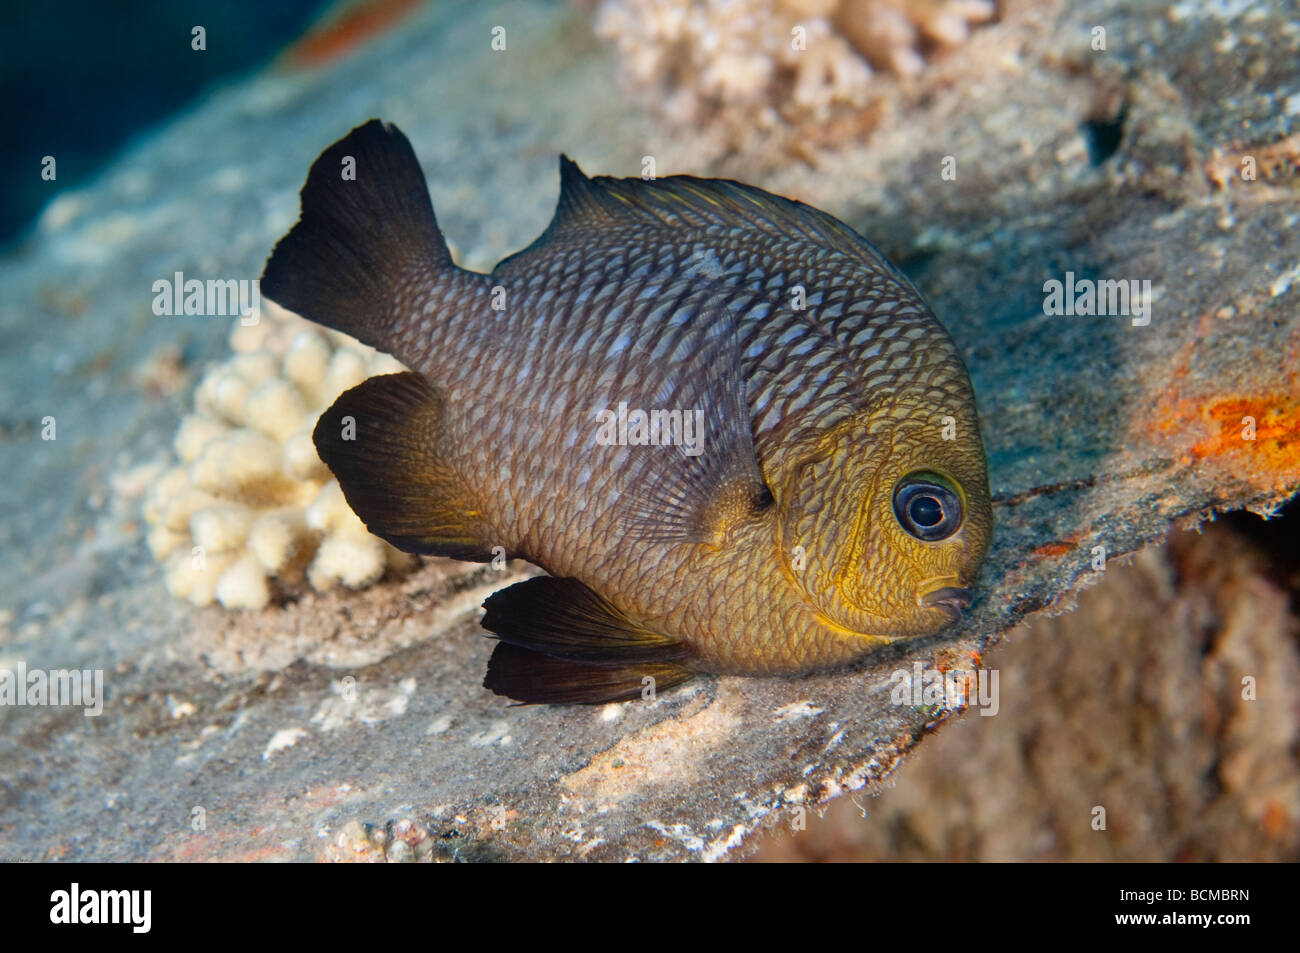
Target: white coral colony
x,y
755,58
250,511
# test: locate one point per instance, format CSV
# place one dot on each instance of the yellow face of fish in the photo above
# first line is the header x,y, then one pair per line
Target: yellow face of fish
x,y
893,518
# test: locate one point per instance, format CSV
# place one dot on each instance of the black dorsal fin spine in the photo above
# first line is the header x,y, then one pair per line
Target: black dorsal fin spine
x,y
579,199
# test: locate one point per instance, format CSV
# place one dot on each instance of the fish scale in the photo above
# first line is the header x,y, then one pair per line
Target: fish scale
x,y
786,541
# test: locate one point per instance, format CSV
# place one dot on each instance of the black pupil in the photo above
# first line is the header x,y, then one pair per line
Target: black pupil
x,y
926,511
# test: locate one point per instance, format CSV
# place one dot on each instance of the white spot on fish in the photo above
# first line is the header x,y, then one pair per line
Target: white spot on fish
x,y
703,262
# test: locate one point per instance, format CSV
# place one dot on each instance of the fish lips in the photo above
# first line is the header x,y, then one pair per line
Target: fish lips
x,y
951,599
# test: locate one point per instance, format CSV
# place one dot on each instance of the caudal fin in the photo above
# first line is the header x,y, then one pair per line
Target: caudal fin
x,y
366,239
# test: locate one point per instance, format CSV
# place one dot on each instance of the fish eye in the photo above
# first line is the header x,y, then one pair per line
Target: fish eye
x,y
927,506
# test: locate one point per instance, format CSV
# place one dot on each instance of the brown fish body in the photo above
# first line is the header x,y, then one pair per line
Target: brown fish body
x,y
812,371
743,616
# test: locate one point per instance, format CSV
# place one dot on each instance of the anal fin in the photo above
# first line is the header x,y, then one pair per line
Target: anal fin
x,y
383,440
532,678
562,643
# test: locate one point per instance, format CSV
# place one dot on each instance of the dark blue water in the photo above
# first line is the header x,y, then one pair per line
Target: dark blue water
x,y
79,78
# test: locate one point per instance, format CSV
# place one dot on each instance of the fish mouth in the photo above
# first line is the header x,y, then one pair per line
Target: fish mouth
x,y
951,599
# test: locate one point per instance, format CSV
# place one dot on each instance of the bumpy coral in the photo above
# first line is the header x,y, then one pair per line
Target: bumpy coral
x,y
760,59
251,513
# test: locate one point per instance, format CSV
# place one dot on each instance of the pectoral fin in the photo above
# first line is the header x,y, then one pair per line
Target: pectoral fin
x,y
561,643
383,439
696,490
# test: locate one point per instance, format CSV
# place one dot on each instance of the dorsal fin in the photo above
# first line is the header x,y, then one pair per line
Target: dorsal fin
x,y
686,201
580,201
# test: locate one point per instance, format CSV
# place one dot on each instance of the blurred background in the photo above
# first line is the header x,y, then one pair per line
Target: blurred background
x,y
81,78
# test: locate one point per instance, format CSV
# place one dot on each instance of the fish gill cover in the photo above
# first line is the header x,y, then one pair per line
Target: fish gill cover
x,y
1096,201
